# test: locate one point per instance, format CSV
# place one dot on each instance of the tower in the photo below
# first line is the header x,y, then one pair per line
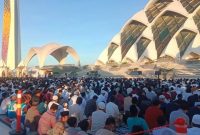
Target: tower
x,y
11,46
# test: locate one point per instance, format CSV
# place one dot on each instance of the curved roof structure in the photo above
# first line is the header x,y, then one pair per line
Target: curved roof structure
x,y
163,28
57,51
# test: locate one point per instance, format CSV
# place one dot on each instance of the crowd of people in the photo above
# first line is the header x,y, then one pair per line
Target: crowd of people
x,y
103,106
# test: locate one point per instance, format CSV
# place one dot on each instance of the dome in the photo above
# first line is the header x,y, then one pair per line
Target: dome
x,y
58,51
160,29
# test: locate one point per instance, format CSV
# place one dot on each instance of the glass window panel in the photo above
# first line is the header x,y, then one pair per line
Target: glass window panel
x,y
156,8
189,8
172,24
184,42
184,3
163,34
198,26
167,18
190,5
184,33
142,45
167,26
197,19
130,35
173,31
179,39
112,49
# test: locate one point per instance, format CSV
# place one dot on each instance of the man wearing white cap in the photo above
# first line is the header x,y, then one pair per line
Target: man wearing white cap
x,y
101,97
74,98
99,118
112,109
195,130
54,100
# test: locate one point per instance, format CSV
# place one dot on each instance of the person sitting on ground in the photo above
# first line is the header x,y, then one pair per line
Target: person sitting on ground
x,y
144,103
128,100
84,126
64,117
47,120
91,106
102,97
4,104
42,107
192,99
72,123
112,109
24,109
12,107
134,120
194,110
73,98
58,129
162,122
180,125
181,112
62,108
150,94
54,100
152,113
98,118
120,100
195,130
37,93
83,96
109,127
65,107
137,130
75,110
33,116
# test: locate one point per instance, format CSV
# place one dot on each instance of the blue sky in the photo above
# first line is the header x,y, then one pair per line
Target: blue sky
x,y
86,25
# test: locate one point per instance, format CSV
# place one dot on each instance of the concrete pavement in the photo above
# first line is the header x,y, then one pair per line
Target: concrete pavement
x,y
4,129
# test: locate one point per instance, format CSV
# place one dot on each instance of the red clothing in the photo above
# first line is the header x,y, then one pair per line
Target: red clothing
x,y
173,94
151,115
120,101
167,95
